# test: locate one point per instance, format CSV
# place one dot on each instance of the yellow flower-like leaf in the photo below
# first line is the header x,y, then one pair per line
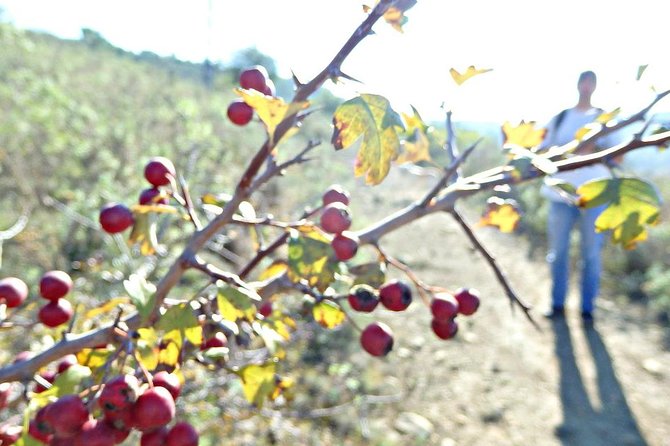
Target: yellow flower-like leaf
x,y
606,117
524,134
276,268
258,382
235,303
416,145
310,258
370,119
270,110
502,214
471,71
328,314
632,204
587,131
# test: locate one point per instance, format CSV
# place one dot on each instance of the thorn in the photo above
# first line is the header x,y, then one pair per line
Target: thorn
x,y
337,73
297,82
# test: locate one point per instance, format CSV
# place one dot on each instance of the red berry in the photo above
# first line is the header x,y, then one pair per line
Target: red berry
x,y
335,193
9,434
66,416
395,295
120,420
468,300
168,380
55,313
156,437
152,195
239,112
218,340
39,432
95,433
119,393
5,389
13,291
377,339
115,217
345,245
255,78
269,89
363,298
444,306
444,329
265,309
55,284
335,218
182,434
66,363
153,409
159,170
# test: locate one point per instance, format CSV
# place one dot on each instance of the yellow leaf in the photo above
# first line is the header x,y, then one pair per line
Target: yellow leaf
x,y
606,117
525,134
469,72
370,119
147,348
586,131
276,268
415,150
310,258
502,214
235,304
270,110
328,314
93,358
107,307
144,233
258,382
168,354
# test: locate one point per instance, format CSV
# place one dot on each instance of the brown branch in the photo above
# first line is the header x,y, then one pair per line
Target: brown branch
x,y
274,169
500,275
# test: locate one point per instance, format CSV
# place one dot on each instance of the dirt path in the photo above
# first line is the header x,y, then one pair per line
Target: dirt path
x,y
501,382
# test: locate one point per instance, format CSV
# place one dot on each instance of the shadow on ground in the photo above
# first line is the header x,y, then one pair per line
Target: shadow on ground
x,y
585,423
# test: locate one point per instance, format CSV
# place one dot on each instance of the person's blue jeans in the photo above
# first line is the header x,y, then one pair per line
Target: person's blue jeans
x,y
562,218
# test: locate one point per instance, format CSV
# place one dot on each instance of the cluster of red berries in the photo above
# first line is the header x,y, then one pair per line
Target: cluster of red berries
x,y
395,295
336,219
124,404
54,285
117,217
446,307
253,78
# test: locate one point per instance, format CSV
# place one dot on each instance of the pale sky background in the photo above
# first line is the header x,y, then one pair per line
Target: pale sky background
x,y
536,48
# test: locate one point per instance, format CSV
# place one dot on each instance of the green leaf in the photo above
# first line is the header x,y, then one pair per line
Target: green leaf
x,y
373,274
328,314
369,118
142,294
310,258
631,204
66,383
236,303
181,318
258,382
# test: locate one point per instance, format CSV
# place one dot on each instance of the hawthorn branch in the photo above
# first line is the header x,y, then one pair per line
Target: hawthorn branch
x,y
500,275
275,169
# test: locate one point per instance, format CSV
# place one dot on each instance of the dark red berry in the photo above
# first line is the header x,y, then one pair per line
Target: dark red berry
x,y
159,170
115,217
377,339
239,112
13,291
335,193
468,300
255,78
55,284
168,380
153,409
363,298
345,245
395,295
182,434
55,313
335,218
444,329
152,195
444,306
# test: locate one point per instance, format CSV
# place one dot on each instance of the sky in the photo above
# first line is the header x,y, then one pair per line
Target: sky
x,y
536,49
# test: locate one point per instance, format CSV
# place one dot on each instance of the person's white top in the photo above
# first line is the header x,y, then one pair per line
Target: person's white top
x,y
573,120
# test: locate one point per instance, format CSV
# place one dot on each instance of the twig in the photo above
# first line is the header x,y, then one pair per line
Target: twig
x,y
188,202
274,169
500,275
421,286
448,173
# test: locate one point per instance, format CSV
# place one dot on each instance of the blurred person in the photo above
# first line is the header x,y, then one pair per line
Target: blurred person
x,y
564,214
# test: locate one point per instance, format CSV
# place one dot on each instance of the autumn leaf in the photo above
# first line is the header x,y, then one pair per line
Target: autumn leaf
x,y
632,204
93,358
502,214
235,303
153,208
370,119
276,268
328,314
310,258
587,130
524,134
181,318
258,382
373,274
606,117
415,146
107,307
271,110
144,233
469,72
